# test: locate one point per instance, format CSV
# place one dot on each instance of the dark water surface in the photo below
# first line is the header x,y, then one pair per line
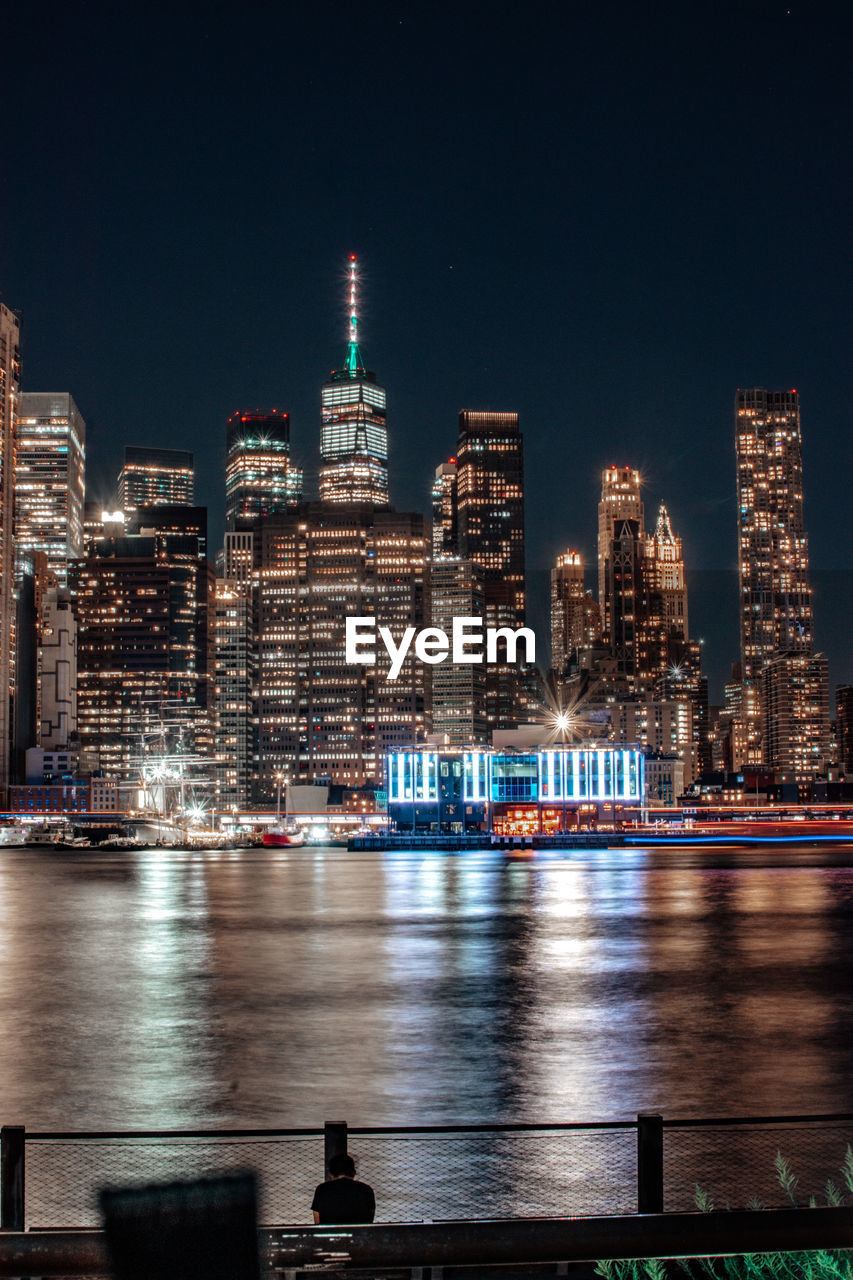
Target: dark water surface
x,y
278,987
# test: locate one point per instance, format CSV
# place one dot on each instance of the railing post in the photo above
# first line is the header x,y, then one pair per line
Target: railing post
x,y
649,1162
335,1141
12,1137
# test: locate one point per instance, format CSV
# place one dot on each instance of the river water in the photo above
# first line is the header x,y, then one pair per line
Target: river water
x,y
287,987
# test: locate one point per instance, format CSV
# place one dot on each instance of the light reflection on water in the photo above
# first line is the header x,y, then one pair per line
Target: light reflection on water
x,y
160,989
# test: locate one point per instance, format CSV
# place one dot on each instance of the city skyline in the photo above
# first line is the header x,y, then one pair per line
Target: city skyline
x,y
716,664
574,224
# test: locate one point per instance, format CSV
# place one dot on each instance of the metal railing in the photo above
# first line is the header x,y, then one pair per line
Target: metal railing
x,y
464,1243
429,1173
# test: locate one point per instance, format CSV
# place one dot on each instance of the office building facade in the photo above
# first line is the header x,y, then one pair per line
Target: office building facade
x,y
143,602
321,717
490,524
50,480
156,477
234,654
260,478
445,541
10,379
457,691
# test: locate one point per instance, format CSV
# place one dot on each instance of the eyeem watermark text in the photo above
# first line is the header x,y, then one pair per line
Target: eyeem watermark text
x,y
432,644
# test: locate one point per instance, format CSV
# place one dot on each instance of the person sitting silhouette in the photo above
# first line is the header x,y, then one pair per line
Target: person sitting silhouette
x,y
342,1199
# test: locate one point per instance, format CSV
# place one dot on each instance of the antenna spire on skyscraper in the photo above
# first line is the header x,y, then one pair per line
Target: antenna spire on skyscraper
x,y
354,362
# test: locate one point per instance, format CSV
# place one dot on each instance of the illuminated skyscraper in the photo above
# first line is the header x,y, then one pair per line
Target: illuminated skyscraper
x,y
260,479
143,600
620,500
775,595
795,714
623,596
320,716
444,503
457,690
844,726
776,599
490,522
354,434
49,479
10,376
662,613
151,477
235,678
575,616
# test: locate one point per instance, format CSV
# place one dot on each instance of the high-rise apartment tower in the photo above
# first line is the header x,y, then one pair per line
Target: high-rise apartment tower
x,y
775,596
773,560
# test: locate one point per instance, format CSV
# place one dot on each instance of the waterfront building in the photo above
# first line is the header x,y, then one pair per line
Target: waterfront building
x,y
490,524
260,478
154,477
142,597
321,717
795,714
10,378
445,540
49,480
775,594
354,432
548,790
664,779
620,501
457,691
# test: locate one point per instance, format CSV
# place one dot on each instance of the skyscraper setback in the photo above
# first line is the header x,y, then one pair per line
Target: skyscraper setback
x,y
354,434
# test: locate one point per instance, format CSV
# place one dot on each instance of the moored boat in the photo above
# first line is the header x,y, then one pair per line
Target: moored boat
x,y
283,835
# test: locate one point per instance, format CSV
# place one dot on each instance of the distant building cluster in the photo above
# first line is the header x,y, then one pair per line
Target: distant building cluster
x,y
132,669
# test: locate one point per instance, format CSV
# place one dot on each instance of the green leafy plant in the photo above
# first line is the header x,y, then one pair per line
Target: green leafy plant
x,y
816,1264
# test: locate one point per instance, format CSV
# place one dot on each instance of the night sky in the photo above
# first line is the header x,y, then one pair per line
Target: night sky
x,y
605,216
